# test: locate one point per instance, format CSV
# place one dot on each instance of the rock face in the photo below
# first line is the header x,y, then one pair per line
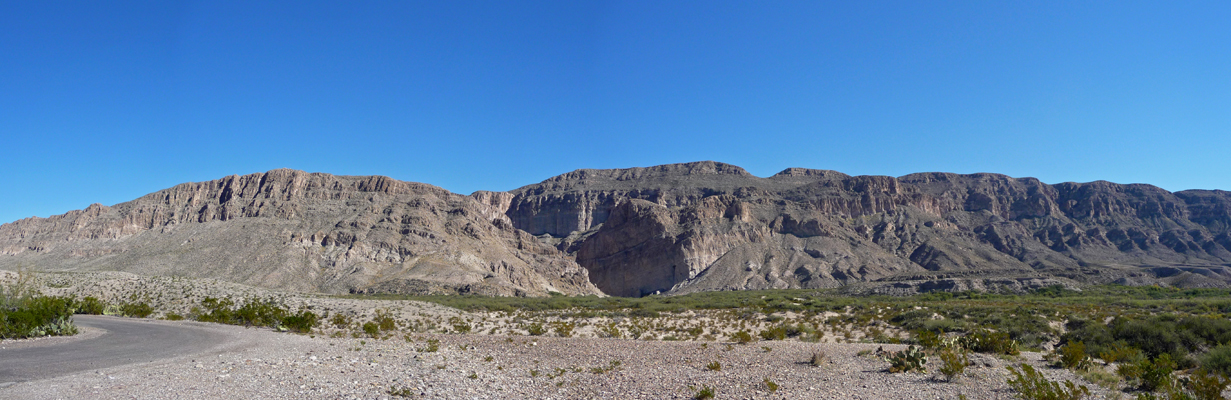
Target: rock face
x,y
673,229
315,232
712,226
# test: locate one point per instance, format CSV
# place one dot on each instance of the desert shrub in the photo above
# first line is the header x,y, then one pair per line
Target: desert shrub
x,y
217,310
1096,336
705,393
1118,352
713,366
536,329
643,313
459,326
371,328
1072,355
1212,331
91,305
302,322
928,339
1149,375
952,363
31,316
564,329
812,335
985,341
340,321
401,391
818,358
770,385
1154,336
136,310
259,313
741,337
385,322
1032,385
1100,377
1218,359
774,333
912,320
433,345
1022,325
611,330
1205,385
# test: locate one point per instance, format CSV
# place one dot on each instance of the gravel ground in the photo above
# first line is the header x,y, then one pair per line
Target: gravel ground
x,y
271,365
333,364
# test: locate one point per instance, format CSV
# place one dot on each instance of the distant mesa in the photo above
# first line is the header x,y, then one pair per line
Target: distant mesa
x,y
674,228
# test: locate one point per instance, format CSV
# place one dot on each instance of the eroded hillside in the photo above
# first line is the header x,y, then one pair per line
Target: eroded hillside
x,y
673,228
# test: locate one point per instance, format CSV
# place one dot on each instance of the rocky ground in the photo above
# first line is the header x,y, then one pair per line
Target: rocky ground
x,y
423,356
272,365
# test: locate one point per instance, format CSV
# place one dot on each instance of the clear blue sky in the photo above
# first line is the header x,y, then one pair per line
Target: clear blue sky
x,y
107,101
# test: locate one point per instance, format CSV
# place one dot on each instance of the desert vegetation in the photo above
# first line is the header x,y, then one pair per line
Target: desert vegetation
x,y
1150,342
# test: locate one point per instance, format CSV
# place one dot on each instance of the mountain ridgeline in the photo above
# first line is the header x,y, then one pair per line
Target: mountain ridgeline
x,y
630,232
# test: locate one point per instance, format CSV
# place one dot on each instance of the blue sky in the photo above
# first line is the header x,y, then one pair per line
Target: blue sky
x,y
107,101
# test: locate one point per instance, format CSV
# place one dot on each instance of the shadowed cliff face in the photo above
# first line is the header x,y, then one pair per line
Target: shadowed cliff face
x,y
672,229
711,226
295,230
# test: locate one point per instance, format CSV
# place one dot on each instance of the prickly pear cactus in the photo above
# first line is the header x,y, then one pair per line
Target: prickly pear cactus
x,y
911,359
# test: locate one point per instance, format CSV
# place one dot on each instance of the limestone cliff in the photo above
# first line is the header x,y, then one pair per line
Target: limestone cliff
x,y
296,230
711,226
673,228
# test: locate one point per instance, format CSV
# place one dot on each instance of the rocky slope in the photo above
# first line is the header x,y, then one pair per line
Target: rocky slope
x,y
313,232
672,228
712,226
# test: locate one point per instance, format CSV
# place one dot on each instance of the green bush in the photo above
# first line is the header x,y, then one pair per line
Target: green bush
x,y
770,385
217,311
340,321
385,322
91,305
775,333
705,393
1218,359
985,341
33,316
1149,375
1118,352
741,337
952,363
136,310
1072,355
1205,385
1154,336
1032,385
259,313
928,339
303,322
433,345
371,328
564,329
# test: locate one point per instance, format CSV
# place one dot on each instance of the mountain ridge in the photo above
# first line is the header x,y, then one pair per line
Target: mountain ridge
x,y
672,228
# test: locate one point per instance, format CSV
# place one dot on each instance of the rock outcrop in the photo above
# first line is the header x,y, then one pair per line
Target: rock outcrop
x,y
314,232
666,229
712,226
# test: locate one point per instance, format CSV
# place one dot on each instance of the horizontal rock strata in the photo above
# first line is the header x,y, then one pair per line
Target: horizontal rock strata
x,y
675,228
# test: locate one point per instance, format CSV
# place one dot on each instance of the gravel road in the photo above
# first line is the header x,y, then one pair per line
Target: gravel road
x,y
116,341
